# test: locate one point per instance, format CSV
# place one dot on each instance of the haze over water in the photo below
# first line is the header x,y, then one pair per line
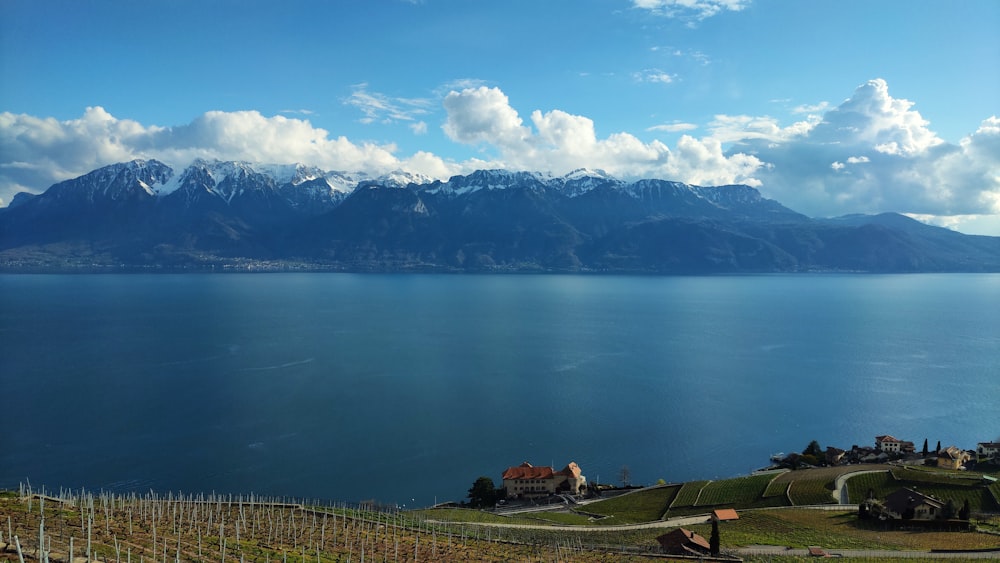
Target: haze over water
x,y
405,388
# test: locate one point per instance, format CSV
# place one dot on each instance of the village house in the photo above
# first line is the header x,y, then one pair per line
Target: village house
x,y
526,480
684,542
893,445
952,457
987,451
834,455
907,504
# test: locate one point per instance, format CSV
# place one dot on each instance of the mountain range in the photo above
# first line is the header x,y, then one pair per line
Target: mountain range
x,y
145,215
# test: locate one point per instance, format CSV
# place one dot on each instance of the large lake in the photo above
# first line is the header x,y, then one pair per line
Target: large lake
x,y
405,388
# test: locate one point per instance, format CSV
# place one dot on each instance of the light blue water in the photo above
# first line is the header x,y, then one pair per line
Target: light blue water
x,y
405,388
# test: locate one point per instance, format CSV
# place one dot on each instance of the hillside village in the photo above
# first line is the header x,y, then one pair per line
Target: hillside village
x,y
889,448
530,483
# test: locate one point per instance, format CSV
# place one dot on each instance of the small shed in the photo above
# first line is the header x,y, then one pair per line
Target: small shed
x,y
725,514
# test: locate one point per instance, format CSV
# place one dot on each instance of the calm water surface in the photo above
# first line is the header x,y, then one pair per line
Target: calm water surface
x,y
405,388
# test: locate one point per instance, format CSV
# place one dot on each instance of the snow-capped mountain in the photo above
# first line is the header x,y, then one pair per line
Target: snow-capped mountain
x,y
145,214
124,182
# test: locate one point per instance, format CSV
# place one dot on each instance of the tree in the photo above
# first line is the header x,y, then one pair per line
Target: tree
x,y
924,451
949,510
813,449
483,493
964,513
714,541
938,448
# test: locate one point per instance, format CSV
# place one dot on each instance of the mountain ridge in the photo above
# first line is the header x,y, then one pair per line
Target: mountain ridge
x,y
144,214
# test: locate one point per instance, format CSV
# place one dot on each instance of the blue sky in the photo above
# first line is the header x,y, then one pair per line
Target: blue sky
x,y
831,107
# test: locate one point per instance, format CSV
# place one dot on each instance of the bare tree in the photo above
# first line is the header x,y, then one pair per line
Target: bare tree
x,y
625,476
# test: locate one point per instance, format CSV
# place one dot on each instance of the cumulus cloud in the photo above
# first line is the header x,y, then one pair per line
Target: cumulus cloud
x,y
690,9
37,152
559,142
483,115
872,153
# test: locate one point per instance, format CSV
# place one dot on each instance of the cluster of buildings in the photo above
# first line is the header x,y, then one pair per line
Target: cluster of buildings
x,y
889,447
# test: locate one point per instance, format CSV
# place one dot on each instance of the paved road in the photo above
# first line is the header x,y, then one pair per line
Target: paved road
x,y
669,523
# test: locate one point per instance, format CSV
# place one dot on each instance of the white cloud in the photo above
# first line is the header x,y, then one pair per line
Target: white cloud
x,y
872,153
560,142
37,152
381,108
728,128
690,9
675,127
814,108
654,76
483,115
419,128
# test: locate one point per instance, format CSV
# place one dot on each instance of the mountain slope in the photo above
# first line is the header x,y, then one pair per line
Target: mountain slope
x,y
144,214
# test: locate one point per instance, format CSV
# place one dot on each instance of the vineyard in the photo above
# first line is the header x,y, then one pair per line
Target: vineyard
x,y
103,527
735,492
981,498
87,527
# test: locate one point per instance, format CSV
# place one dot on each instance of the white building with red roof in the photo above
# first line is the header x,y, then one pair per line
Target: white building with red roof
x,y
526,480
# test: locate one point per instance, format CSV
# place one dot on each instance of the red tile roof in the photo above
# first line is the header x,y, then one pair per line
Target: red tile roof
x,y
724,514
528,471
684,540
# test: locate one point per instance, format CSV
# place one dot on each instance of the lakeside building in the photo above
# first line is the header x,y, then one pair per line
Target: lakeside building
x,y
987,451
526,480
